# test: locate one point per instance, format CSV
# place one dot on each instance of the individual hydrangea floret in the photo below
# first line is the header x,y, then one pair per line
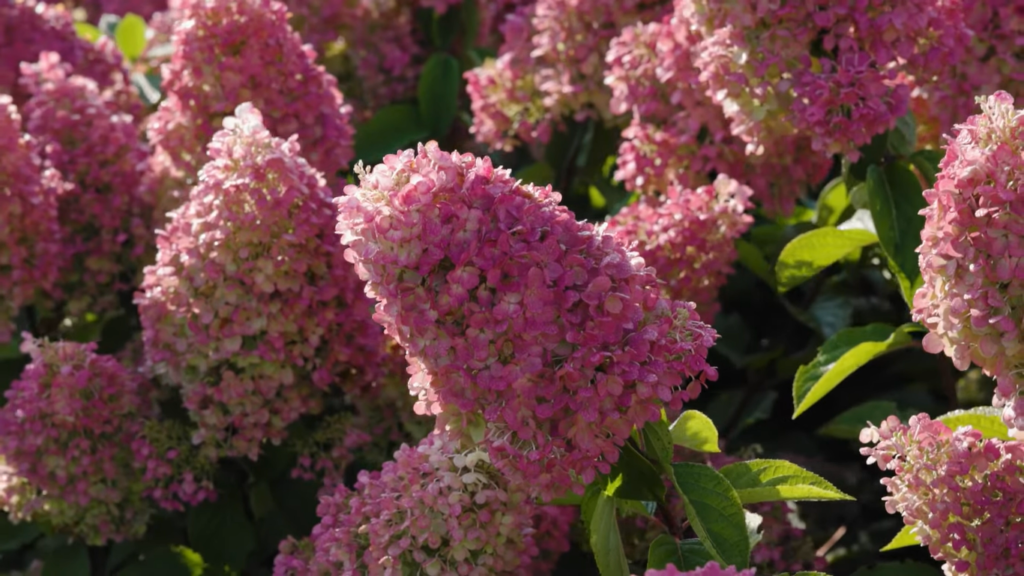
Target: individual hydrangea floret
x,y
960,493
972,252
226,52
250,307
537,335
435,509
688,237
709,569
826,69
104,209
31,254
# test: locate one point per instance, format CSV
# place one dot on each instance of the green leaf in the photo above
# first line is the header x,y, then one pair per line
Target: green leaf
x,y
664,551
778,480
605,540
658,442
130,36
391,129
570,498
715,512
169,561
927,164
849,424
695,554
812,252
902,139
597,200
438,92
14,536
832,202
751,257
985,419
87,32
903,539
108,24
832,313
640,480
695,431
843,354
895,200
539,173
898,569
148,87
68,560
221,532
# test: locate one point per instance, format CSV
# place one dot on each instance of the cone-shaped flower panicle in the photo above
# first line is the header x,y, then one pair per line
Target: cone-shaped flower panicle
x,y
538,335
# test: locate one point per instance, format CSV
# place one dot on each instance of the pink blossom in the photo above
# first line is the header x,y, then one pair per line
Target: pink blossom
x,y
250,307
538,335
104,209
143,8
30,245
709,569
972,252
961,494
688,237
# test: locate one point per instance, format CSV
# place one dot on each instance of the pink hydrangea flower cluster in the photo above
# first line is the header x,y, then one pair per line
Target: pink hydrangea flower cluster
x,y
992,61
972,252
829,70
227,52
961,493
104,209
67,434
552,527
550,65
540,336
144,8
678,136
29,27
250,307
688,237
709,569
436,509
30,247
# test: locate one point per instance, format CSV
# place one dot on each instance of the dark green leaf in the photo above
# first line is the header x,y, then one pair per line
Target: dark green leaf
x,y
470,21
715,512
664,551
108,24
984,419
446,27
148,87
130,36
14,536
778,480
927,164
751,257
166,561
849,424
658,442
605,540
898,569
695,554
832,202
903,539
539,173
221,532
895,199
438,92
68,560
843,354
903,138
391,129
813,251
832,312
640,480
695,431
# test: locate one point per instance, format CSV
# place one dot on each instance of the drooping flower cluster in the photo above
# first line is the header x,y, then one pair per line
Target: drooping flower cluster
x,y
972,252
227,52
436,509
961,494
30,249
709,569
250,307
104,209
688,237
537,335
829,70
67,434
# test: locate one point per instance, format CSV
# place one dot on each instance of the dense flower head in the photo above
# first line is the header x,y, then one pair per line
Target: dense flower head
x,y
66,436
435,509
827,69
540,336
226,52
552,534
972,251
28,27
688,237
709,569
250,307
144,8
961,493
104,208
30,248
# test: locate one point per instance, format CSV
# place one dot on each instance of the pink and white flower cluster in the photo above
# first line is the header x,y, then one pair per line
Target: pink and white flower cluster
x,y
250,307
688,237
31,254
540,337
709,569
961,493
437,508
972,252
